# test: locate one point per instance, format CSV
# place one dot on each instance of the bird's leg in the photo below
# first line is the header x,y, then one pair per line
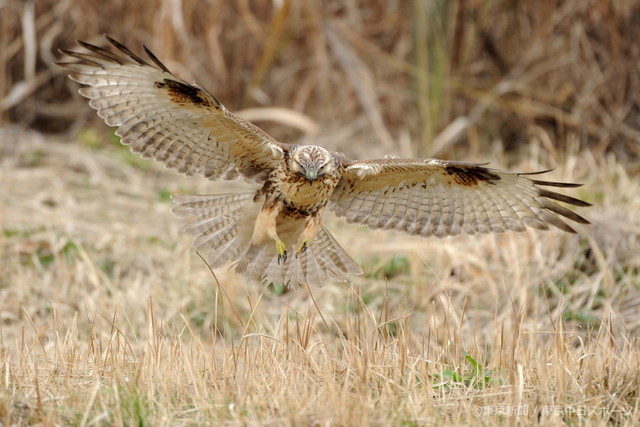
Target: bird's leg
x,y
281,249
309,231
265,227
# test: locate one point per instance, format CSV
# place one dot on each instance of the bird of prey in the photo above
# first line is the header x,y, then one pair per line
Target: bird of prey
x,y
275,234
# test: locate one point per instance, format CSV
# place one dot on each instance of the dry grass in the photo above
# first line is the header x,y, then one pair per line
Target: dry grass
x,y
106,317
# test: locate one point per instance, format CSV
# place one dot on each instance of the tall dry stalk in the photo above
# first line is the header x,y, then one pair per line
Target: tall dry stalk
x,y
450,77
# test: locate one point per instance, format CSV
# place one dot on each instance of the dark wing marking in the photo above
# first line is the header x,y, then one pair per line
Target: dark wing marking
x,y
439,198
161,116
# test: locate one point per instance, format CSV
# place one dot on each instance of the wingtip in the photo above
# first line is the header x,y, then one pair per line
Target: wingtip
x,y
115,43
62,64
155,59
556,184
582,203
89,46
111,40
536,173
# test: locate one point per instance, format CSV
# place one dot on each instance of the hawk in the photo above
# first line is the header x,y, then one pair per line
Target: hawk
x,y
276,233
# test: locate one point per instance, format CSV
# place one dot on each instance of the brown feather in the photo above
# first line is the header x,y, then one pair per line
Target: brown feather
x,y
447,198
164,117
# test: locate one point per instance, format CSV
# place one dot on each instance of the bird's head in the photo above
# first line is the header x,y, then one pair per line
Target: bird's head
x,y
311,162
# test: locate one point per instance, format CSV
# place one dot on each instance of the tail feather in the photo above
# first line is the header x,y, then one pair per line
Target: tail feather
x,y
324,260
213,232
226,253
223,225
216,240
311,268
335,259
209,206
256,262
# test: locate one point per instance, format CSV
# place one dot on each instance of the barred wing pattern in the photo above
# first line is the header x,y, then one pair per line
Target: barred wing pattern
x,y
440,198
163,117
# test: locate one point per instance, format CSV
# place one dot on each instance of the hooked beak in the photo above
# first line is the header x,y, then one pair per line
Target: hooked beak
x,y
311,175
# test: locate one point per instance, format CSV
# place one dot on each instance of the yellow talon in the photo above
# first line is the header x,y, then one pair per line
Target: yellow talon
x,y
281,249
302,249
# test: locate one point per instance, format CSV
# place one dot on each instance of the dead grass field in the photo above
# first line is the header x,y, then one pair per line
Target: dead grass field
x,y
107,317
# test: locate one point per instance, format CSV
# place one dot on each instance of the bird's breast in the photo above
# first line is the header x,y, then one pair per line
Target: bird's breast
x,y
303,192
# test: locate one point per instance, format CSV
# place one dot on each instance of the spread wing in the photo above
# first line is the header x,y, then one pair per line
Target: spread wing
x,y
161,116
439,198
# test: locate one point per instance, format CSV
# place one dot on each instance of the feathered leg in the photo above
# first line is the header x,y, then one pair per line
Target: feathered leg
x,y
224,227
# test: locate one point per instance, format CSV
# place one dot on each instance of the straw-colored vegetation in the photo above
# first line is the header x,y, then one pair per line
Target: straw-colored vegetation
x,y
107,317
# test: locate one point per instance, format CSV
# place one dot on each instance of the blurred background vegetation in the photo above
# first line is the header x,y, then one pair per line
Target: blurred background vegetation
x,y
453,79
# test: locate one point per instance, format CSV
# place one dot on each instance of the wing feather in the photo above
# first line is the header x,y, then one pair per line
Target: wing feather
x,y
161,116
440,198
